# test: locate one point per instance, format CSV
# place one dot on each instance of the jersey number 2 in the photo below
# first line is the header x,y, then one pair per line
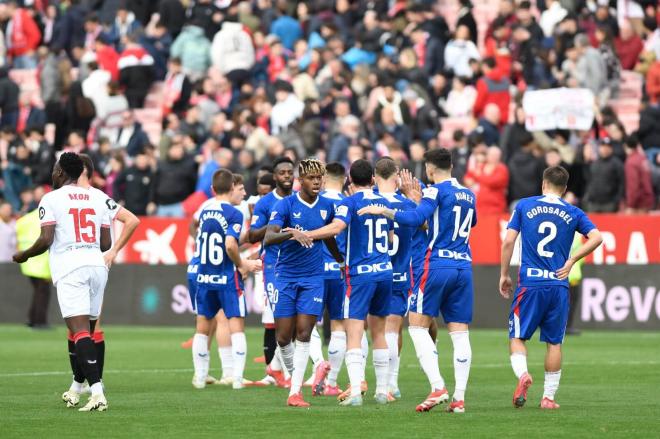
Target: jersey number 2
x,y
540,248
83,226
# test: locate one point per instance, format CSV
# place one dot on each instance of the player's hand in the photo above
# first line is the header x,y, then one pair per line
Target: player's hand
x,y
109,257
506,286
301,237
19,257
563,272
372,210
410,187
251,265
350,190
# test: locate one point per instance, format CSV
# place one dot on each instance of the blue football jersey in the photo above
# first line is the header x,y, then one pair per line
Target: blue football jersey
x,y
547,226
419,244
330,265
367,238
217,222
296,261
450,211
401,246
260,217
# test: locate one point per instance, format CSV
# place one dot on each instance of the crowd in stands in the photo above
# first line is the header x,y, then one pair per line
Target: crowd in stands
x,y
162,93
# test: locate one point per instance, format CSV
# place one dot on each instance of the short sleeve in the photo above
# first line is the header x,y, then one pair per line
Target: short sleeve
x,y
514,222
112,209
279,214
331,212
343,211
235,225
46,213
584,224
260,215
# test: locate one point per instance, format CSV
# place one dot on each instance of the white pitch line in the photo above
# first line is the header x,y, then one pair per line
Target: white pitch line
x,y
409,365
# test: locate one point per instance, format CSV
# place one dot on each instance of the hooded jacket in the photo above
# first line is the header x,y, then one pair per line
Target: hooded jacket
x,y
493,88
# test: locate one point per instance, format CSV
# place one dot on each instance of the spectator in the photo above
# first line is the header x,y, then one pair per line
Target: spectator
x,y
42,157
459,51
95,86
115,167
134,186
175,180
177,88
460,153
489,179
526,19
466,18
7,232
612,64
628,46
653,82
172,15
29,115
93,30
513,134
75,143
349,130
416,163
124,24
207,16
616,136
525,171
130,135
649,126
106,56
488,126
287,109
639,186
232,52
552,16
192,48
605,181
493,88
461,98
110,111
157,41
591,71
429,50
222,158
8,99
248,168
23,36
287,29
136,72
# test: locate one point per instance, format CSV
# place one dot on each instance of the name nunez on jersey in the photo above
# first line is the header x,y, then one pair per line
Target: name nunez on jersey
x,y
550,210
464,196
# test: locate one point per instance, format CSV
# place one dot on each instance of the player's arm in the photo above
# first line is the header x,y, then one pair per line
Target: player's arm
x,y
506,284
130,222
243,265
259,223
106,239
275,235
41,245
193,226
328,231
594,239
413,218
331,244
257,234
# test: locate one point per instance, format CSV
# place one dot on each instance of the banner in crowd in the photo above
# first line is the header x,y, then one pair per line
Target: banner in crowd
x,y
627,239
613,297
563,108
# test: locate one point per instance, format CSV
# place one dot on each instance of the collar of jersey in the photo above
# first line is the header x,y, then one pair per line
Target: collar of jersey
x,y
305,202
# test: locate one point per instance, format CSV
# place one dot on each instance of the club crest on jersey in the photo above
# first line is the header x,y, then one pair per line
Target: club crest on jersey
x,y
297,215
237,228
324,213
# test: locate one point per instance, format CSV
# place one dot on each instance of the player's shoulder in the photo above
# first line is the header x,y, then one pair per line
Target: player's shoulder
x,y
332,195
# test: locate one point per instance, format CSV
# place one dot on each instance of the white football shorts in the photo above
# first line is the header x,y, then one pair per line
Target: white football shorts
x,y
80,293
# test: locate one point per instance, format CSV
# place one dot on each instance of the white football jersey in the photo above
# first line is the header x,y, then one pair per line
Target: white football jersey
x,y
78,215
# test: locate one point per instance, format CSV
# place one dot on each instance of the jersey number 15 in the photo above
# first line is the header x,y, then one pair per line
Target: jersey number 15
x,y
83,227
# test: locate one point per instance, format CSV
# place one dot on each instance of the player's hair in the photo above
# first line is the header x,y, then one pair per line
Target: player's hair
x,y
267,179
311,166
237,179
440,158
385,167
88,163
71,164
335,170
556,176
278,161
361,173
223,181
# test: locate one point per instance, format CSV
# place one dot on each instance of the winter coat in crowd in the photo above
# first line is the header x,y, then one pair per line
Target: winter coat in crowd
x,y
24,34
491,189
526,175
9,92
133,187
136,74
591,71
175,180
639,186
232,48
172,16
649,127
493,88
192,47
605,181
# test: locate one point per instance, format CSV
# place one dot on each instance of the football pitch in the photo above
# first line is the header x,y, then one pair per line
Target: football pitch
x,y
610,387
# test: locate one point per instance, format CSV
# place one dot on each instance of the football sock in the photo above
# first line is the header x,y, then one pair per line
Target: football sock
x,y
355,367
336,353
300,357
519,363
392,339
381,359
238,351
315,347
365,353
78,376
99,343
270,344
427,355
226,360
462,362
551,384
200,354
286,353
86,355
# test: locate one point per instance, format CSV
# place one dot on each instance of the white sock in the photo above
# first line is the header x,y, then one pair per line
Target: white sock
x,y
316,347
300,358
551,384
97,388
76,386
226,361
427,356
462,362
336,353
519,363
238,353
392,339
278,364
200,354
365,353
355,367
286,354
381,359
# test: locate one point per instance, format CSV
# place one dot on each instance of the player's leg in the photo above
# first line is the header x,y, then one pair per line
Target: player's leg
x,y
393,325
379,309
192,293
208,305
334,298
424,308
552,332
224,339
234,309
285,323
98,336
320,367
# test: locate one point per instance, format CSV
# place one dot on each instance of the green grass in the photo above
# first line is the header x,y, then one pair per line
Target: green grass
x,y
610,386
